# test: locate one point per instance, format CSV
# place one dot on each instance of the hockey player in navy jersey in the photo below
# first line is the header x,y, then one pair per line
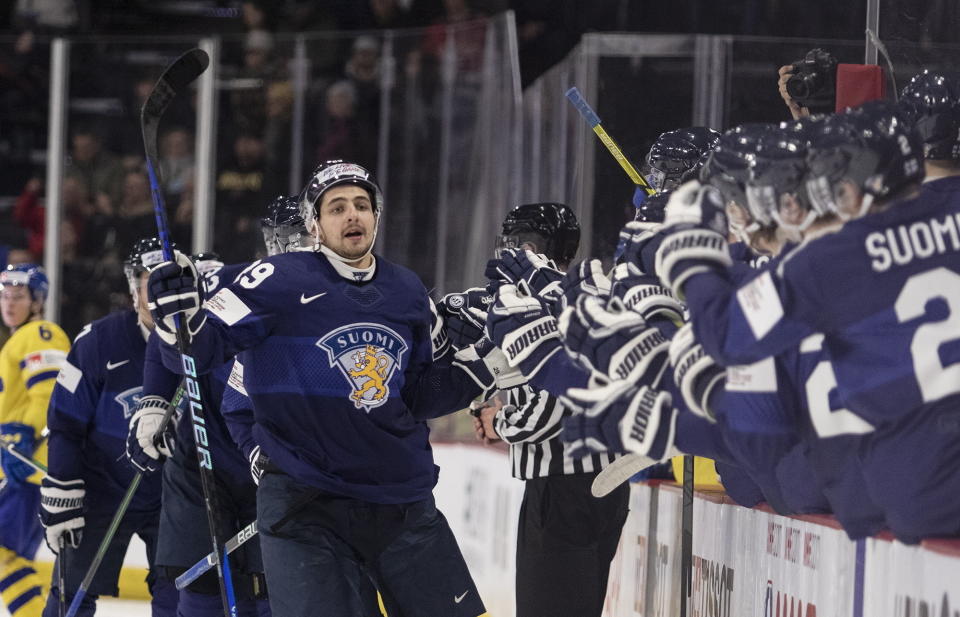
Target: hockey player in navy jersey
x,y
184,534
758,414
882,309
95,397
677,155
343,367
29,362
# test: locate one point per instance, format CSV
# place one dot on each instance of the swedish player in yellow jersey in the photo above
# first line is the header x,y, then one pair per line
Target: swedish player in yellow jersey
x,y
29,363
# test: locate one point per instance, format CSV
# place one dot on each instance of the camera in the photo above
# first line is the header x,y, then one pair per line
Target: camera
x,y
813,82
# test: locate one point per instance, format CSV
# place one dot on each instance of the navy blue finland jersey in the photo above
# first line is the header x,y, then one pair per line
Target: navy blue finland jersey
x,y
884,289
831,437
95,396
338,372
160,381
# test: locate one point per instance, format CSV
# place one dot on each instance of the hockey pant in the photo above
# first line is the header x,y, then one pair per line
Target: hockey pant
x,y
78,560
319,550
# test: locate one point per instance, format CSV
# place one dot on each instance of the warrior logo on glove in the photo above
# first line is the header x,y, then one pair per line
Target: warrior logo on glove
x,y
367,355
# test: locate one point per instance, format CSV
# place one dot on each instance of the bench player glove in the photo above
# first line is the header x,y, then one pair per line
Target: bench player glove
x,y
22,438
465,315
696,228
614,342
694,372
618,417
486,364
439,341
174,289
520,325
61,511
643,294
640,243
587,277
147,445
515,265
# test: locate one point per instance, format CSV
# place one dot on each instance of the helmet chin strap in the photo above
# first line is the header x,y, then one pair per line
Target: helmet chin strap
x,y
350,261
865,204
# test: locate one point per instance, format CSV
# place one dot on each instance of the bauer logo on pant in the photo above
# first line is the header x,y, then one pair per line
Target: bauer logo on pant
x,y
367,355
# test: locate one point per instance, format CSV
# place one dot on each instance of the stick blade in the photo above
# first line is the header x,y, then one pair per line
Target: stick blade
x,y
618,472
175,78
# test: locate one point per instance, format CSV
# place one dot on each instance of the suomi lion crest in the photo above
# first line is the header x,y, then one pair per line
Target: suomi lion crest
x,y
372,365
367,355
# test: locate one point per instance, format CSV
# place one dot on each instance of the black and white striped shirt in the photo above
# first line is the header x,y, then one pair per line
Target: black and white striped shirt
x,y
531,422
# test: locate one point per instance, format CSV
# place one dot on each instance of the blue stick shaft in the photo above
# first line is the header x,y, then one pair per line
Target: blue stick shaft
x,y
583,107
196,406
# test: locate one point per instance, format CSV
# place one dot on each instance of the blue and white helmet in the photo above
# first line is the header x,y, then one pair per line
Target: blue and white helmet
x,y
30,276
334,173
931,103
873,147
283,227
144,256
207,262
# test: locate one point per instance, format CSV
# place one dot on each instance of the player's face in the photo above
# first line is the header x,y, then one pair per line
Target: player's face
x,y
142,311
765,241
345,221
16,305
790,210
847,196
738,219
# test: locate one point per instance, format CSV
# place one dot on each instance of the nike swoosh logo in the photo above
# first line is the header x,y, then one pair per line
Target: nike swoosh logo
x,y
305,300
113,365
457,599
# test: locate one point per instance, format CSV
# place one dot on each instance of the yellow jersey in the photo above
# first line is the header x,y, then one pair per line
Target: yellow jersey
x,y
29,363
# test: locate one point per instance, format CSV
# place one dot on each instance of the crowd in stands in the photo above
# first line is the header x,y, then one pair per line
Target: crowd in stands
x,y
106,192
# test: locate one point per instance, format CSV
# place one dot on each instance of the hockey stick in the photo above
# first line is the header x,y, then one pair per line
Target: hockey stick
x,y
198,569
104,544
686,538
23,458
115,522
61,565
587,113
62,578
174,80
618,472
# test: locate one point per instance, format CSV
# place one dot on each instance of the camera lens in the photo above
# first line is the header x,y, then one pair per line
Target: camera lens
x,y
799,86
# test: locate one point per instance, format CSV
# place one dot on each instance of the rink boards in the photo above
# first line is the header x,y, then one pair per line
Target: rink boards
x,y
747,562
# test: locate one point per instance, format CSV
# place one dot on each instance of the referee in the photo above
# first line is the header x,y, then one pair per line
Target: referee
x,y
566,537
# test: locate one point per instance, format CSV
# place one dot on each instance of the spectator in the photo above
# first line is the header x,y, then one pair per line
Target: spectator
x,y
85,292
176,163
134,216
49,16
100,170
277,134
469,37
363,71
243,189
248,101
342,135
19,255
30,213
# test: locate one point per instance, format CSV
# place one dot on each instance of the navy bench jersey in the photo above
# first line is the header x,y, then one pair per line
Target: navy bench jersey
x,y
884,289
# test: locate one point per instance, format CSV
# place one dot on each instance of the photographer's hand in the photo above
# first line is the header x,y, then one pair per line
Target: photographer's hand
x,y
795,110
